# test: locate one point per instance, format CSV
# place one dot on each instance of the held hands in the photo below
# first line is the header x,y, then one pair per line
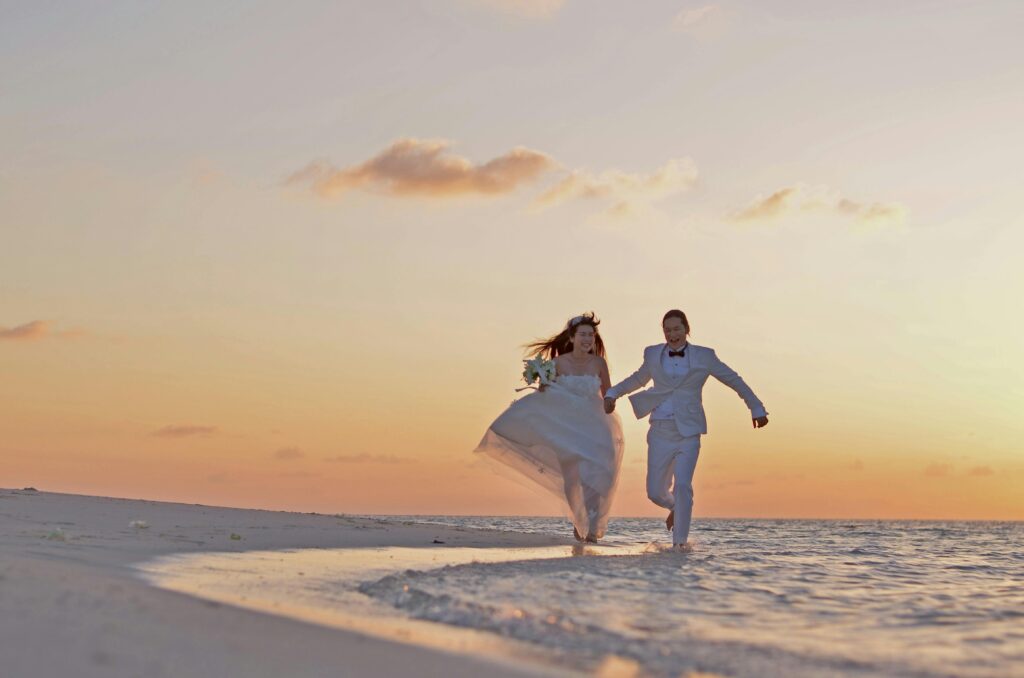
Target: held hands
x,y
609,407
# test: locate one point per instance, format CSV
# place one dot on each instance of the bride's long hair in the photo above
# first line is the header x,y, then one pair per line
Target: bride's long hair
x,y
562,342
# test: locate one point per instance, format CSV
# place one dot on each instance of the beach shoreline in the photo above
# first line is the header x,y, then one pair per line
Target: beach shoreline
x,y
73,602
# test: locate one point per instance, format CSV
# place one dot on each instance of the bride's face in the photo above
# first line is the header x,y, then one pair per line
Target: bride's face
x,y
584,338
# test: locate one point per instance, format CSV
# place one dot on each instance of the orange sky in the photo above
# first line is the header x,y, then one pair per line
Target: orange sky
x,y
235,279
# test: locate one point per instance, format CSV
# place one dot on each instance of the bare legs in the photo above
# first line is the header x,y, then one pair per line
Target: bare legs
x,y
584,502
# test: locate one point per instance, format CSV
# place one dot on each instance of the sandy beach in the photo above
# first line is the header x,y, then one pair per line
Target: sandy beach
x,y
72,603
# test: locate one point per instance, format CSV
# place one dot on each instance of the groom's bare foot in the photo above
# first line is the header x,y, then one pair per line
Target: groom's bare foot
x,y
591,539
670,521
684,548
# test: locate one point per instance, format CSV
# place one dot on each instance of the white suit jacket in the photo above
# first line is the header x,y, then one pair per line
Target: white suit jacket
x,y
686,390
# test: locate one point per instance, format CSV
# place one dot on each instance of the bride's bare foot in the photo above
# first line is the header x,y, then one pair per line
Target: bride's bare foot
x,y
576,533
670,521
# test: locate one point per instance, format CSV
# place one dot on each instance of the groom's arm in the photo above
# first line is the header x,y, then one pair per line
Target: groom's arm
x,y
627,385
730,378
631,383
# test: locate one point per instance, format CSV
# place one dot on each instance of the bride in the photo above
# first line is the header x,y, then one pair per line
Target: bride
x,y
560,436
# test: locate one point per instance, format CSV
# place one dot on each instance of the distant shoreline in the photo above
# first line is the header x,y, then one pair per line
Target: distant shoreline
x,y
396,516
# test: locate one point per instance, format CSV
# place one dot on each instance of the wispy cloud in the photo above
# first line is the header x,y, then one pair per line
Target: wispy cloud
x,y
704,22
981,471
365,458
35,330
418,167
288,453
184,431
622,191
691,17
204,175
801,198
532,9
937,470
729,483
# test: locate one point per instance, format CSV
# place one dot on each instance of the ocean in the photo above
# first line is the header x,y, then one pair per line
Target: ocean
x,y
754,597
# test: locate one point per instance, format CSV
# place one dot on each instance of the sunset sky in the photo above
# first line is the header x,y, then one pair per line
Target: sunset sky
x,y
285,255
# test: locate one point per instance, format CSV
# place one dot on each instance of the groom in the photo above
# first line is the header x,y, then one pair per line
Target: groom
x,y
679,370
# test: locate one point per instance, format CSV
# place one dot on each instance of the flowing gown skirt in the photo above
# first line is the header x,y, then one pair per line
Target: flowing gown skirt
x,y
562,440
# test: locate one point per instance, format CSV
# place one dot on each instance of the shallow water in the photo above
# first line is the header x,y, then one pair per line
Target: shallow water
x,y
755,598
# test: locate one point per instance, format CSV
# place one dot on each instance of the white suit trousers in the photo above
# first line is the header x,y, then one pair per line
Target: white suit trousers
x,y
672,456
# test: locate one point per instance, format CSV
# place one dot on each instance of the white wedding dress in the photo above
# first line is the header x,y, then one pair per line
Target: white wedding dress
x,y
562,439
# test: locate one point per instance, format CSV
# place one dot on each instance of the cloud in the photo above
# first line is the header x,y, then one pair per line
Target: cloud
x,y
184,431
624,191
363,457
937,470
416,167
532,9
801,198
770,207
981,471
286,453
205,176
729,483
687,19
35,330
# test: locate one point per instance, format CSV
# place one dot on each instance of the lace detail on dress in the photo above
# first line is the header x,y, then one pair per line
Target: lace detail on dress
x,y
583,385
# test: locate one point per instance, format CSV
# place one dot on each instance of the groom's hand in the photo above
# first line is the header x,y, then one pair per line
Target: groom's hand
x,y
609,405
759,422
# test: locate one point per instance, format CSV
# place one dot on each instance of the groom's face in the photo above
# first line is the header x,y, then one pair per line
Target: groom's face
x,y
675,332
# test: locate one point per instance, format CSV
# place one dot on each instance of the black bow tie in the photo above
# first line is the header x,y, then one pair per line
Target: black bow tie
x,y
677,354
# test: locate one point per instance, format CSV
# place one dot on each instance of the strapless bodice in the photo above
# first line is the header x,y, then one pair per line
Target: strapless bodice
x,y
583,385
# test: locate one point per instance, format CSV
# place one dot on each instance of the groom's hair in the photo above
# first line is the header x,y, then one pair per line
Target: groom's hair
x,y
676,313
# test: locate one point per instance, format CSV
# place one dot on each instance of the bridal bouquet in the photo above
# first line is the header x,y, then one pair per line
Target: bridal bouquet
x,y
537,369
